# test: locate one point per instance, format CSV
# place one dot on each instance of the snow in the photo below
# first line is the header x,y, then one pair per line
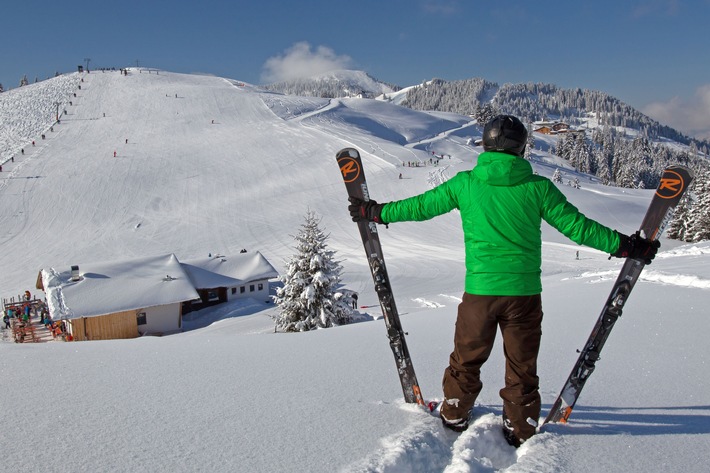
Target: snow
x,y
213,166
226,271
116,286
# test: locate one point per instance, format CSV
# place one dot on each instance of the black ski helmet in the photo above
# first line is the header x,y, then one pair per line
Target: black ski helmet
x,y
505,133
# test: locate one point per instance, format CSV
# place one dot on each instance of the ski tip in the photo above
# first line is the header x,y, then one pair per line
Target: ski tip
x,y
674,182
347,153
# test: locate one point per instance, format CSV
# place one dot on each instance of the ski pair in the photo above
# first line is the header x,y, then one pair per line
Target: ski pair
x,y
675,181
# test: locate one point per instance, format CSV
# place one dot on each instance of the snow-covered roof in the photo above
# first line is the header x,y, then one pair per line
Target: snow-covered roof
x,y
108,287
228,271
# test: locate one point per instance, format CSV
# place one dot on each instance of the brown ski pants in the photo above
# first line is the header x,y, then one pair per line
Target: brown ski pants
x,y
520,321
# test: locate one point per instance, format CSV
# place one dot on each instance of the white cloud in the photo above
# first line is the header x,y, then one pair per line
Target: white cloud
x,y
441,7
692,117
656,7
301,61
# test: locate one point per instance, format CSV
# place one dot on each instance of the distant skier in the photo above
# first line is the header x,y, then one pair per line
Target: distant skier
x,y
502,204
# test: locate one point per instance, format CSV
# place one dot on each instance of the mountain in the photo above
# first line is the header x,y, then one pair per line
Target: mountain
x,y
532,102
538,101
208,164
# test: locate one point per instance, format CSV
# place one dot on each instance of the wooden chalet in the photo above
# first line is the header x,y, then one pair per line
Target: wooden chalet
x,y
122,299
553,128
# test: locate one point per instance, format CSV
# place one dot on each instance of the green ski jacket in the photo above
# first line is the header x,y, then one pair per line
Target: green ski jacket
x,y
502,205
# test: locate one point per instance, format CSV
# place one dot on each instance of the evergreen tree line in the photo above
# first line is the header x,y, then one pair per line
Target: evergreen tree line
x,y
24,81
325,88
464,97
532,102
624,162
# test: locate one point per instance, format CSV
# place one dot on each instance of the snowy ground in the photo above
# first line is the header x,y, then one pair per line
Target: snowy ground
x,y
211,165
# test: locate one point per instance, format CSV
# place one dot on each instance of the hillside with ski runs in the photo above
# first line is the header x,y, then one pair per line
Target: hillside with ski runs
x,y
152,162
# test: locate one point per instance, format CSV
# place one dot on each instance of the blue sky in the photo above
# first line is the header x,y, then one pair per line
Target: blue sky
x,y
652,54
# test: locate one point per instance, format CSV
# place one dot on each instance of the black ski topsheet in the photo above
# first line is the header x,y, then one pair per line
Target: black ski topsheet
x,y
354,177
674,182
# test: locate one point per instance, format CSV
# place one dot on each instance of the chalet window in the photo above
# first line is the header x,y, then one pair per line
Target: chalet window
x,y
142,318
212,296
234,290
261,286
251,288
242,289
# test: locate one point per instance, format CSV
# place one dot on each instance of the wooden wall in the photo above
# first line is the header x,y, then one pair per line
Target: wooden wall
x,y
104,327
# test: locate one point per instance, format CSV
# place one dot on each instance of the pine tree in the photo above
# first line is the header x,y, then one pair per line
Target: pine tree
x,y
700,219
530,143
557,176
678,227
691,221
485,113
309,298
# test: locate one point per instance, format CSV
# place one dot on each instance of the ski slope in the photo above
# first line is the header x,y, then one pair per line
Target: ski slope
x,y
206,164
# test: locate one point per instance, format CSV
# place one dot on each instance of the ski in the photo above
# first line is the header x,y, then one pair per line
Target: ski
x,y
354,178
674,182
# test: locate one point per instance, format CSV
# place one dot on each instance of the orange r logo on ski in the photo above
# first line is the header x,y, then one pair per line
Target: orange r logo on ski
x,y
671,185
349,168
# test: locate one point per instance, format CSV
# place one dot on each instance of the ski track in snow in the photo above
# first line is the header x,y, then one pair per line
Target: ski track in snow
x,y
683,280
426,446
454,298
427,303
436,305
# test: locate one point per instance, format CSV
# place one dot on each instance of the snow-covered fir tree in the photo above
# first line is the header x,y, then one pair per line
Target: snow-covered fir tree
x,y
691,221
310,296
678,227
530,143
557,176
485,113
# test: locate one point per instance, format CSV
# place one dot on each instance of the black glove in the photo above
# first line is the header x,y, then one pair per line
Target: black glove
x,y
637,247
369,211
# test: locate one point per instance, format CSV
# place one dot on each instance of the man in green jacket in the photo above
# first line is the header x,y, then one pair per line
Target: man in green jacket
x,y
502,204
